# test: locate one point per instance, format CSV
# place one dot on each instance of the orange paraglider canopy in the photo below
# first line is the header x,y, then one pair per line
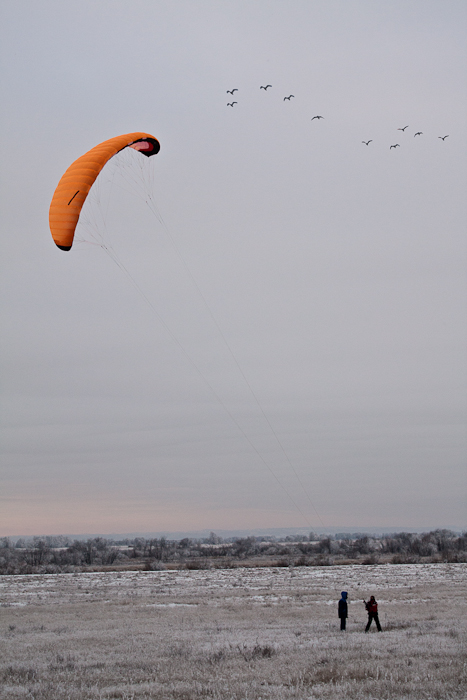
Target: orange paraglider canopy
x,y
76,182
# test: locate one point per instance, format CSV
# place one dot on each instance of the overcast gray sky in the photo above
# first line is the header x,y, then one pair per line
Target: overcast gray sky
x,y
283,341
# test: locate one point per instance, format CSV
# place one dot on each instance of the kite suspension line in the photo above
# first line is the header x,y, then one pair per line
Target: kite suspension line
x,y
152,205
139,179
149,199
96,220
113,256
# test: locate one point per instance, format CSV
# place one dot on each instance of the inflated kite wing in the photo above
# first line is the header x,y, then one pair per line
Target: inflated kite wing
x,y
76,182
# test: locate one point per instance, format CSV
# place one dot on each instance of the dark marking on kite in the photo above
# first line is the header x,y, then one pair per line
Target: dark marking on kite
x,y
73,197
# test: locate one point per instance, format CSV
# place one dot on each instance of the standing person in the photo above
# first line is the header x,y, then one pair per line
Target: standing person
x,y
372,610
342,609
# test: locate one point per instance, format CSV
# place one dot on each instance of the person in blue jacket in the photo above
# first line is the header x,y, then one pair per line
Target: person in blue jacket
x,y
342,609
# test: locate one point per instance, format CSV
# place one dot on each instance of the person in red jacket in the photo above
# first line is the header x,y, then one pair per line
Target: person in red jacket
x,y
372,610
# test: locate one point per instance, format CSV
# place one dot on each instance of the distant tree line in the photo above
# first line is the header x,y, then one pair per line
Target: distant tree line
x,y
58,554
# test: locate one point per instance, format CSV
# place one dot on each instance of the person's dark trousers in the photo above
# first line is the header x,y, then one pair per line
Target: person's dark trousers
x,y
371,617
343,619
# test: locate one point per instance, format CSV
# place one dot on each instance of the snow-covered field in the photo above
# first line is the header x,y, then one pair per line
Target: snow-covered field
x,y
251,634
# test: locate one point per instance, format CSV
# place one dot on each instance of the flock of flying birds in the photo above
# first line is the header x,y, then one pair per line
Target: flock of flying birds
x,y
319,116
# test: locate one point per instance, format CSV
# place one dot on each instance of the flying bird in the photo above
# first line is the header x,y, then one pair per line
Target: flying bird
x,y
265,87
231,104
318,116
367,142
231,92
419,133
287,98
394,146
443,137
403,128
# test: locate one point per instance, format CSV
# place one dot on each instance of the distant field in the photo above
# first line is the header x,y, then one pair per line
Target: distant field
x,y
235,634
